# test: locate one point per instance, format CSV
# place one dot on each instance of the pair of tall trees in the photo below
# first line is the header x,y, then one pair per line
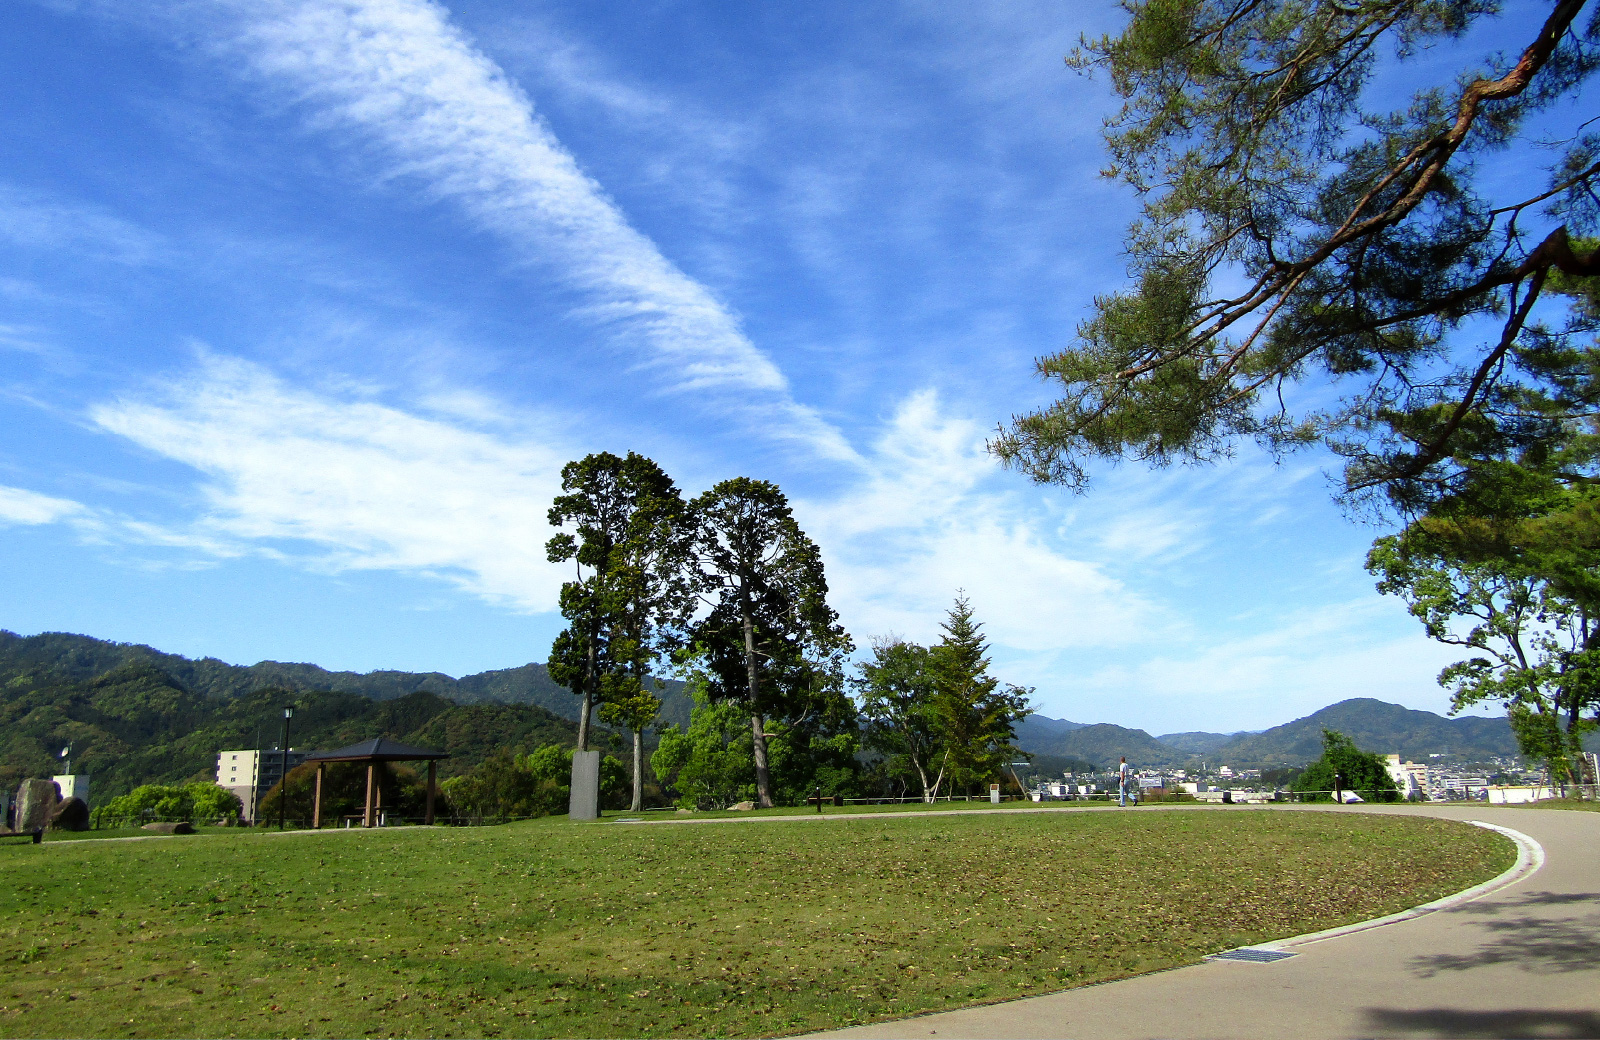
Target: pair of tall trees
x,y
729,578
937,711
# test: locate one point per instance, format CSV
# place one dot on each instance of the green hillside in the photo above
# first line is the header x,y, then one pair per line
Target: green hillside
x,y
136,716
1197,742
1102,744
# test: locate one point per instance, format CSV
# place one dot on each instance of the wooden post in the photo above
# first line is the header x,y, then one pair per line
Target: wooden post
x,y
366,817
433,768
316,802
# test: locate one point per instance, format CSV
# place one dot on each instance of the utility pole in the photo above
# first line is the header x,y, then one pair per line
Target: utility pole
x,y
283,781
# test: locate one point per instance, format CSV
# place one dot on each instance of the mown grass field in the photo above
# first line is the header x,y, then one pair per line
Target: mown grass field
x,y
558,929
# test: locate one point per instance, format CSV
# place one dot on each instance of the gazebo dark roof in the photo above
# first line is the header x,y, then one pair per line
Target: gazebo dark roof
x,y
378,749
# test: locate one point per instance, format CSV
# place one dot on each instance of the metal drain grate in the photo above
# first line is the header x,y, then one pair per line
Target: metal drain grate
x,y
1244,953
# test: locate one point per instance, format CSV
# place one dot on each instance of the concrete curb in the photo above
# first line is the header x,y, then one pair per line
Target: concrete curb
x,y
1530,857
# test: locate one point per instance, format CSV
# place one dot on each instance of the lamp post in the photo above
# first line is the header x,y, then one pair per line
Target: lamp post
x,y
283,780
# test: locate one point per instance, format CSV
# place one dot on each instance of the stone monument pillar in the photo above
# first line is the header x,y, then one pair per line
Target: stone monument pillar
x,y
35,800
584,802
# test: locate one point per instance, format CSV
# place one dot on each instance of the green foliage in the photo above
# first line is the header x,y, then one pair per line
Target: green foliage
x,y
156,801
536,784
1343,766
896,689
212,802
196,801
1294,232
711,765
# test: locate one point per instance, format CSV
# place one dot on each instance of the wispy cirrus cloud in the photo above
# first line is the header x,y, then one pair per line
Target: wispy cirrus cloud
x,y
19,506
40,221
433,110
332,481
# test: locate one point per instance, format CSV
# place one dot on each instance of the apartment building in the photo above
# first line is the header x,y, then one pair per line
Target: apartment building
x,y
250,774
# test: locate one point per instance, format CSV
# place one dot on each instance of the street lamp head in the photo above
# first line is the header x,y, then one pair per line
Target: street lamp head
x,y
288,711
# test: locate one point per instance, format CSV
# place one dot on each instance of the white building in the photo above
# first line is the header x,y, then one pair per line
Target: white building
x,y
1411,778
250,774
75,785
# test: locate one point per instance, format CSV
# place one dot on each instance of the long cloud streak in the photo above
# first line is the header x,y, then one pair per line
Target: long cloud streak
x,y
405,79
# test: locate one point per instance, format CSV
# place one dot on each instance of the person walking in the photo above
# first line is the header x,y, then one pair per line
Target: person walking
x,y
1122,783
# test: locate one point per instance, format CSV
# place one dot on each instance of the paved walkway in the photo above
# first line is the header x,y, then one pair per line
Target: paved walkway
x,y
1522,961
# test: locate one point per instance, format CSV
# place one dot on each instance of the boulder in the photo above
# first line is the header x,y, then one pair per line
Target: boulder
x,y
35,800
180,827
70,814
743,806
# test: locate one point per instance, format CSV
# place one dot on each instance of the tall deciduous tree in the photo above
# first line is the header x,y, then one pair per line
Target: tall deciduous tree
x,y
897,691
1512,573
1299,226
769,626
974,713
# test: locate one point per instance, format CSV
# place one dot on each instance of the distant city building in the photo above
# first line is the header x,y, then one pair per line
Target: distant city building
x,y
1225,771
1410,778
251,774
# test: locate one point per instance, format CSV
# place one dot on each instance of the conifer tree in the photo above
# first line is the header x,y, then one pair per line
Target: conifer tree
x,y
1300,226
975,713
769,633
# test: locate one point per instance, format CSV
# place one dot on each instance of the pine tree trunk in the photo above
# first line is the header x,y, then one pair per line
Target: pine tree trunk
x,y
758,735
638,771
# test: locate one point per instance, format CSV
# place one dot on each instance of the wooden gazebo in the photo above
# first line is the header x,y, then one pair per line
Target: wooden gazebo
x,y
378,749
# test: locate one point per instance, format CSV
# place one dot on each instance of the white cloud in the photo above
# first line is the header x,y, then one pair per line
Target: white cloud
x,y
18,506
1287,668
337,481
440,113
934,516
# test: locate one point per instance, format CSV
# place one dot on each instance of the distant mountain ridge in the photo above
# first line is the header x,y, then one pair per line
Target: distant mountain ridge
x,y
1373,724
77,658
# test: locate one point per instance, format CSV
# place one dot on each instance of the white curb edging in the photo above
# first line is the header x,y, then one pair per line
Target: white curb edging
x,y
1530,857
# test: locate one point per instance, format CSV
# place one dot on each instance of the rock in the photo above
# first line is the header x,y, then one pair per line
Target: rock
x,y
71,814
181,827
35,800
684,812
744,806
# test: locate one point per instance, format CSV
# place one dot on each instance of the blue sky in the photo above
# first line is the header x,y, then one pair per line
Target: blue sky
x,y
304,303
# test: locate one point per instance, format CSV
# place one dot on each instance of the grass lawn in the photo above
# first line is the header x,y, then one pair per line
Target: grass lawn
x,y
551,928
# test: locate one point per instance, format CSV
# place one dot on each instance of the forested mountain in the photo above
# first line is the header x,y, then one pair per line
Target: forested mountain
x,y
78,658
136,724
135,715
1375,726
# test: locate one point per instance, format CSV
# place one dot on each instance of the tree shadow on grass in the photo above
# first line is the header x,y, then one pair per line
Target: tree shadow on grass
x,y
1451,1022
1515,933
